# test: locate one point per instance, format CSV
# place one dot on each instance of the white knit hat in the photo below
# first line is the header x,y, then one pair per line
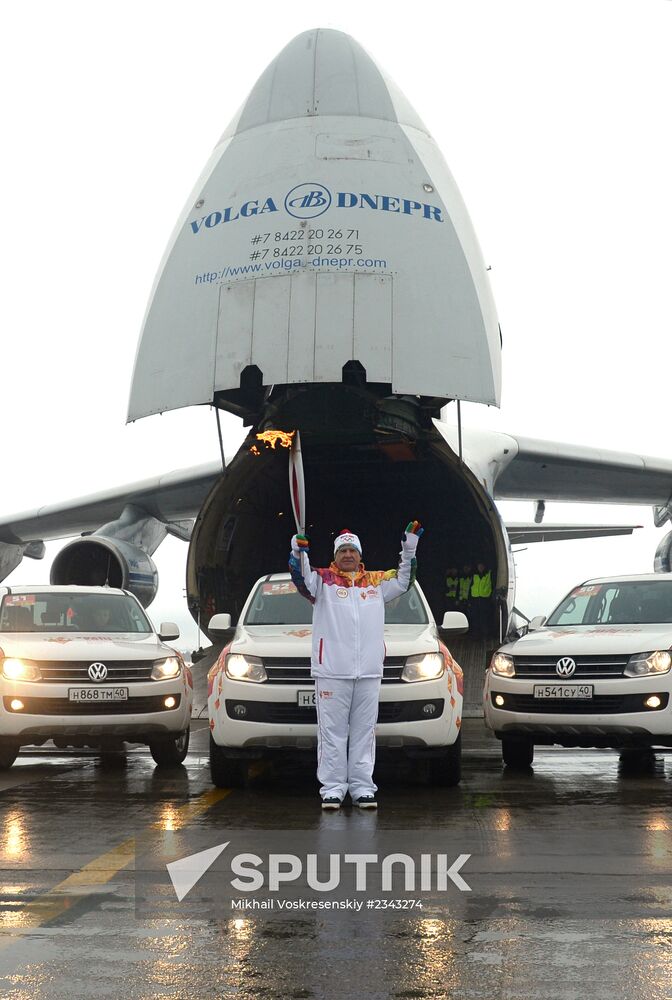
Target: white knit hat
x,y
347,538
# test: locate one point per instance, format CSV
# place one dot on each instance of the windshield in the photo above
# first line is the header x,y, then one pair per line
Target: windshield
x,y
645,602
279,603
65,612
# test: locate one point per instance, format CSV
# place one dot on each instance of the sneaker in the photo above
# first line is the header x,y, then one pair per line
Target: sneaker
x,y
331,803
366,802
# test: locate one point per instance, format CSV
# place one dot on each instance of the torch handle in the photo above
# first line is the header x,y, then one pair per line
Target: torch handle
x,y
297,487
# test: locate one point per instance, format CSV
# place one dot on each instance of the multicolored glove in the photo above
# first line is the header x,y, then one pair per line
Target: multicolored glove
x,y
412,535
300,544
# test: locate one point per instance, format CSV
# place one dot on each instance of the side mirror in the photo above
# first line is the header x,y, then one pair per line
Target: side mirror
x,y
219,626
168,632
537,622
455,623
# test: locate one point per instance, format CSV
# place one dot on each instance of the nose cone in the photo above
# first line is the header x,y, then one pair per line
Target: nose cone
x,y
326,229
323,72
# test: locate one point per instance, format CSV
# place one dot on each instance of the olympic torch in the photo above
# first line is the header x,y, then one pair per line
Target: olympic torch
x,y
297,486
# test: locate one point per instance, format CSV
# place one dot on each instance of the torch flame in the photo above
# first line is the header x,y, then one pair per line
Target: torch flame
x,y
271,438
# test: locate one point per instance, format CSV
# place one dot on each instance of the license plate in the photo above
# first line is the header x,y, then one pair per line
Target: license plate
x,y
568,691
305,699
98,694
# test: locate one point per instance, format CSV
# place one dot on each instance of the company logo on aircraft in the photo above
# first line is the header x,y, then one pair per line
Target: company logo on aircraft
x,y
307,201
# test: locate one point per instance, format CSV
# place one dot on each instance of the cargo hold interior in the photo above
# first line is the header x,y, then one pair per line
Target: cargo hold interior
x,y
372,486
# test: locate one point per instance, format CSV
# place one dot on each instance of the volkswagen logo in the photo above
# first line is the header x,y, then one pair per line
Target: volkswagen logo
x,y
565,666
307,201
97,671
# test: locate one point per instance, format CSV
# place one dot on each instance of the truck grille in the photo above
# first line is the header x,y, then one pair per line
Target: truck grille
x,y
586,666
286,712
76,671
601,704
296,670
61,706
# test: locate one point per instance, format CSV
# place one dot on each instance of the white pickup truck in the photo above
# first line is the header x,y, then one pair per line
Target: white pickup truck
x,y
84,667
261,697
595,674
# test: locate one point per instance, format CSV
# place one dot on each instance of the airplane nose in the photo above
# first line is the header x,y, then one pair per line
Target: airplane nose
x,y
326,231
323,72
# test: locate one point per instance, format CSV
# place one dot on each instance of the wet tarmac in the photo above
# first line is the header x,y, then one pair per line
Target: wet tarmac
x,y
569,869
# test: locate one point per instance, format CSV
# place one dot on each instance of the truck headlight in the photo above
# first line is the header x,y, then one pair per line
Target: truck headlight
x,y
165,669
502,664
658,662
19,670
244,668
427,667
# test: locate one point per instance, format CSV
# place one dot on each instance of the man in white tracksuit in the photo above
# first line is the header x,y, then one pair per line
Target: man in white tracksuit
x,y
348,651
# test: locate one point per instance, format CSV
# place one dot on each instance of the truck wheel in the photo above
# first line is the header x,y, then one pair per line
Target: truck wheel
x,y
9,751
225,771
170,753
447,770
637,759
517,753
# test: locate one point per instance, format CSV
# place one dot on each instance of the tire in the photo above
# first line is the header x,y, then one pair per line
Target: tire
x,y
225,771
446,771
517,753
9,751
636,758
172,752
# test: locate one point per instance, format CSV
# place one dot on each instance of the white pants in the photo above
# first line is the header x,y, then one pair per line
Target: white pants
x,y
347,710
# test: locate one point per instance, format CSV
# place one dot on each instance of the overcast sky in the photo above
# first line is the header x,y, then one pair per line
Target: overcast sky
x,y
553,117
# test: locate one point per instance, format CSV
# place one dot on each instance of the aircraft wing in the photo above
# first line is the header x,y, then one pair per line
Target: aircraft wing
x,y
519,533
513,467
549,470
169,498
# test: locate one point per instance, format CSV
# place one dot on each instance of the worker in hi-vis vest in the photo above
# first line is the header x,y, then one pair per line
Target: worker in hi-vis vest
x,y
464,587
481,592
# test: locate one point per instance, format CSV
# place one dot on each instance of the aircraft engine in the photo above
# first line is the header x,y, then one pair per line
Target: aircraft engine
x,y
119,554
97,561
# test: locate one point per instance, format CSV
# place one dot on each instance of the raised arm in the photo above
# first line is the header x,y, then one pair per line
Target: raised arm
x,y
404,575
304,577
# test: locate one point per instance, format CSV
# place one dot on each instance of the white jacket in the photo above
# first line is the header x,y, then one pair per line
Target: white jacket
x,y
349,613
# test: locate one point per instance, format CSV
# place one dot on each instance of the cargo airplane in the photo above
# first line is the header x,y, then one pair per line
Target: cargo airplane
x,y
324,275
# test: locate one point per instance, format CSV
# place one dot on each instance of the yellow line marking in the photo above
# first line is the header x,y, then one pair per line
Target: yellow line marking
x,y
100,870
